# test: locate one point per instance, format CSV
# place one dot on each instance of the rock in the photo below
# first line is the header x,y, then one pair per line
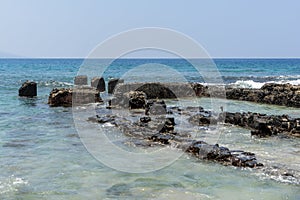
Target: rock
x,y
28,89
199,120
156,107
98,83
159,130
132,100
145,119
223,155
270,93
85,95
112,83
137,99
156,90
76,96
81,80
60,97
168,126
162,138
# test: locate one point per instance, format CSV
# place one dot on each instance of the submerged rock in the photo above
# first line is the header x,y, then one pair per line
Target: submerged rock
x,y
159,130
28,89
221,154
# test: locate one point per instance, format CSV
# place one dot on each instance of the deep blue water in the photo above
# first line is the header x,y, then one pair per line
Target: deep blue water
x,y
41,156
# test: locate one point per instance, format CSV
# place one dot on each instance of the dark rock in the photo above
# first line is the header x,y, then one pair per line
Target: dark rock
x,y
156,107
60,97
75,96
132,100
168,126
159,130
81,80
223,155
156,90
98,83
112,83
263,125
28,89
162,138
137,99
270,93
145,119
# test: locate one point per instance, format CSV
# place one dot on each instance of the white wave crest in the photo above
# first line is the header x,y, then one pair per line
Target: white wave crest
x,y
257,85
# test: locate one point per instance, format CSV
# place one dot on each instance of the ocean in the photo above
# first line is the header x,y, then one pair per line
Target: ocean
x,y
42,157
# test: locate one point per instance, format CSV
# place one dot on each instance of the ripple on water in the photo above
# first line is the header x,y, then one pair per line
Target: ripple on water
x,y
11,185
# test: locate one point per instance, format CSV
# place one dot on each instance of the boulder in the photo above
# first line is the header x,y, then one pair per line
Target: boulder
x,y
60,97
81,80
28,89
132,100
137,99
156,90
156,107
112,83
98,83
76,96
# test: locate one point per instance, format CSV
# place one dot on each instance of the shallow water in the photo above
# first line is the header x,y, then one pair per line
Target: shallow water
x,y
42,157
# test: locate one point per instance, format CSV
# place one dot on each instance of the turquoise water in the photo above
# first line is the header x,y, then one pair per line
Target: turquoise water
x,y
42,157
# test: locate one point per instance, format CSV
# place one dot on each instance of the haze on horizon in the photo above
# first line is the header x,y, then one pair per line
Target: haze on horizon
x,y
226,28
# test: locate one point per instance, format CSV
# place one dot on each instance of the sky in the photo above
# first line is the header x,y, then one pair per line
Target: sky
x,y
225,28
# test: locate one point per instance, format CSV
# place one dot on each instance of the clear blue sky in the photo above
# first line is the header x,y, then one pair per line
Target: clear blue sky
x,y
226,28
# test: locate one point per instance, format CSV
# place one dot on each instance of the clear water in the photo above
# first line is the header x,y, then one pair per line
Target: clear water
x,y
41,156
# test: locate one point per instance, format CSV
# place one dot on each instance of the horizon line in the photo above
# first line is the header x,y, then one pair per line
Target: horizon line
x,y
150,58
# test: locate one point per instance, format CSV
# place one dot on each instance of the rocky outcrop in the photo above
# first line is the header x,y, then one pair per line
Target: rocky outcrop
x,y
112,83
265,125
159,129
270,93
75,96
261,125
132,100
158,90
98,83
81,80
156,107
223,155
28,89
60,97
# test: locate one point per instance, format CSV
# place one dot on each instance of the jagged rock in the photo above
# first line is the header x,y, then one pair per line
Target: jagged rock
x,y
221,154
60,97
277,94
145,119
137,99
98,83
270,93
156,90
162,138
132,100
28,89
76,96
156,107
159,130
112,83
168,126
81,80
